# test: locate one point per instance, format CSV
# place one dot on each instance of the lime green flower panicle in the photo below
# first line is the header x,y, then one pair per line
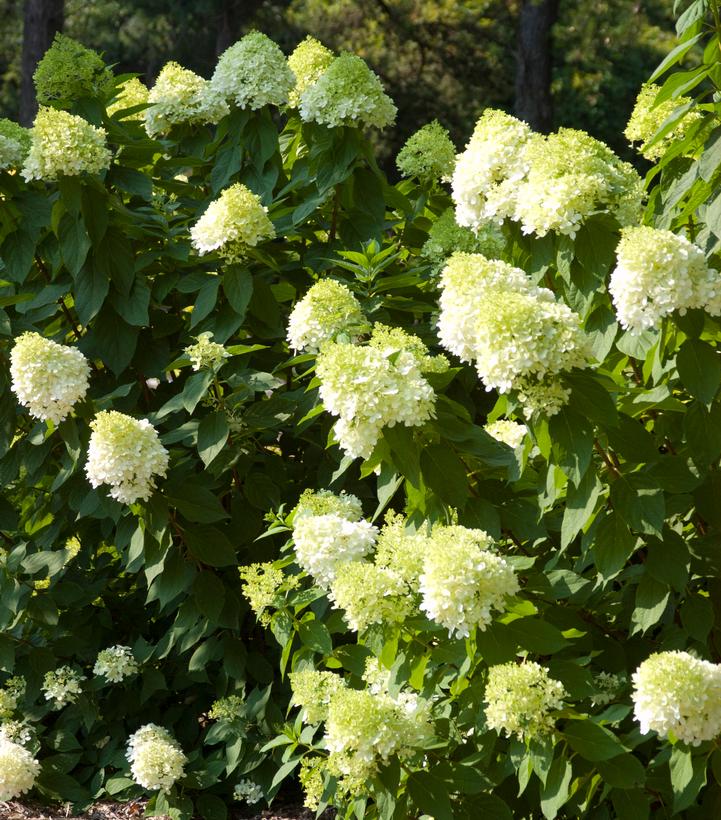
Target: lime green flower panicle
x,y
68,72
647,118
327,309
14,144
428,154
309,60
131,93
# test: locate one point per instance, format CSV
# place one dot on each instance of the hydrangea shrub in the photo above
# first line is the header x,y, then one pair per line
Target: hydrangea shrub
x,y
404,495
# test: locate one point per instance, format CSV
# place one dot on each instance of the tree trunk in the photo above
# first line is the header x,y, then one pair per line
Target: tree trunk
x,y
534,63
233,17
42,20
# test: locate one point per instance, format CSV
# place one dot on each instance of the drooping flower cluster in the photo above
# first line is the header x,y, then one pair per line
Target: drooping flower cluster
x,y
509,432
370,594
68,72
446,237
155,757
180,96
232,223
252,73
18,769
261,588
428,154
64,145
126,454
48,378
62,686
312,692
131,93
248,791
647,118
307,62
325,541
488,171
678,695
376,385
327,309
546,183
463,580
657,273
347,93
14,144
206,353
116,663
228,709
10,696
519,336
520,699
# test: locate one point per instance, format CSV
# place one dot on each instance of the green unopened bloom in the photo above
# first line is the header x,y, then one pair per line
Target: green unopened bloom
x,y
327,309
206,353
309,60
68,72
131,93
252,73
648,116
428,154
347,93
446,237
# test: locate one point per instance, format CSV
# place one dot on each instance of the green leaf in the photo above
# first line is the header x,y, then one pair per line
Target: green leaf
x,y
612,546
699,368
210,546
209,594
91,288
238,288
211,807
112,340
537,636
556,791
623,772
315,636
591,741
212,434
194,502
572,437
430,795
640,502
405,452
651,601
74,242
580,504
688,777
445,474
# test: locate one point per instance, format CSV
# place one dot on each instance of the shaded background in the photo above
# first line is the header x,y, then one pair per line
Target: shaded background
x,y
553,62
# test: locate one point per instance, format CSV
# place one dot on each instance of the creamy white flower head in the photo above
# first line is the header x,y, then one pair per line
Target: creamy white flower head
x,y
678,695
520,699
253,72
64,145
517,333
493,156
647,118
657,273
347,93
232,223
14,144
369,594
312,692
62,686
262,588
509,432
248,791
49,379
376,385
17,731
116,663
131,93
323,542
307,62
327,309
126,454
206,353
181,96
463,580
156,759
326,502
18,769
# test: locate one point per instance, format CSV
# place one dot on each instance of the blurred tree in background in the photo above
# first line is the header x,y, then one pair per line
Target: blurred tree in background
x,y
439,58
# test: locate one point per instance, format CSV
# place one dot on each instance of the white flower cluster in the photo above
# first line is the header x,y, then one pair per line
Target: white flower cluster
x,y
18,769
546,183
520,699
326,502
206,353
307,62
14,144
509,432
658,272
155,757
678,696
323,542
181,96
63,144
312,692
248,791
126,454
18,731
517,333
347,93
232,223
62,686
48,378
607,686
327,309
252,73
462,580
370,594
116,663
376,385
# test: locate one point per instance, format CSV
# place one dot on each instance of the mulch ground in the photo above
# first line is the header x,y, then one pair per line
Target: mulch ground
x,y
133,810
